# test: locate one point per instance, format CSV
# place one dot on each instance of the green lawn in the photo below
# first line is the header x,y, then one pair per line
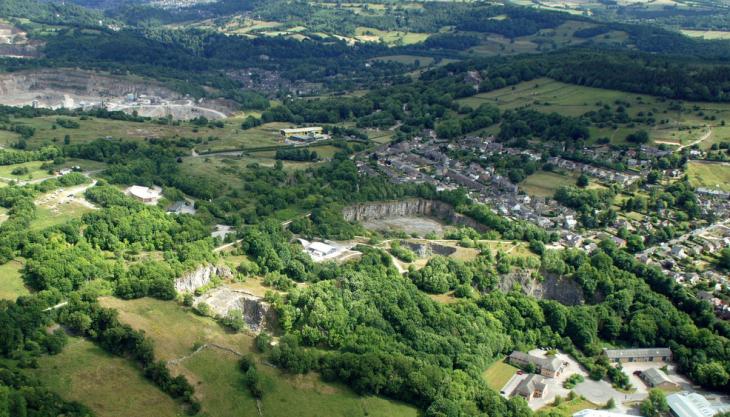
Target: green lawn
x,y
709,175
498,374
544,184
109,385
11,282
215,375
568,408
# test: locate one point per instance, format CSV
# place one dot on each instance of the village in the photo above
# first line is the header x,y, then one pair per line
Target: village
x,y
425,159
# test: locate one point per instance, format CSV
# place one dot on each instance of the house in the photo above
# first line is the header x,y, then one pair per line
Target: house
x,y
686,404
656,378
532,387
546,366
144,194
638,355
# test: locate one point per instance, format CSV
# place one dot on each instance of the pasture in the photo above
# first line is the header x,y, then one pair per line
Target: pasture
x,y
208,138
177,332
685,123
709,175
111,386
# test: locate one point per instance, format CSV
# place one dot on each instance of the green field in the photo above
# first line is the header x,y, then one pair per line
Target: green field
x,y
709,175
230,136
11,282
215,375
546,95
34,171
707,34
544,184
109,385
498,374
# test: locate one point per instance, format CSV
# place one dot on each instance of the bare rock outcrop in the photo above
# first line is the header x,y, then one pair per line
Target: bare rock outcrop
x,y
408,207
256,312
200,277
551,287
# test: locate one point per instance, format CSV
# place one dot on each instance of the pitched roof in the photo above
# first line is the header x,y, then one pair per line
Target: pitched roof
x,y
529,384
637,353
692,405
551,364
655,376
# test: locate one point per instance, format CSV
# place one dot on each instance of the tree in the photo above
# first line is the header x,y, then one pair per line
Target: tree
x,y
638,137
725,258
655,405
582,181
712,374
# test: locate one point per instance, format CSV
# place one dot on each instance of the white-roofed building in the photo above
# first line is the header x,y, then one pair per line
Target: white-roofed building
x,y
320,249
691,404
599,413
144,194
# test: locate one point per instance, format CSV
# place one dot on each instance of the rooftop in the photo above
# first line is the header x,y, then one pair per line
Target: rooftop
x,y
686,404
529,384
637,353
598,413
655,376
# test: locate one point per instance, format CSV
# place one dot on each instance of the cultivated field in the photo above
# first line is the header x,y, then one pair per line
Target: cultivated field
x,y
214,372
709,174
686,121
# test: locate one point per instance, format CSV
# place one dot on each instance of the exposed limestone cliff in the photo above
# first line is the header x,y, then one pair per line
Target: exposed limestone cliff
x,y
408,207
562,290
257,313
200,277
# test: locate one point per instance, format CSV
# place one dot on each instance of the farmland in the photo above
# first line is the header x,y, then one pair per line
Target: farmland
x,y
208,138
685,121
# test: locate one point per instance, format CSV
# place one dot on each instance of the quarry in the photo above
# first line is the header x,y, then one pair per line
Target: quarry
x,y
88,90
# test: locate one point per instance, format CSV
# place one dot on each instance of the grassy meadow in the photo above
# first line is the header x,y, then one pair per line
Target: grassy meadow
x,y
709,174
544,184
214,372
109,385
90,129
11,281
684,125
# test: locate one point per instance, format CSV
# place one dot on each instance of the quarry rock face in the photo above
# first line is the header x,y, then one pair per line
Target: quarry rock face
x,y
200,277
408,207
552,287
256,313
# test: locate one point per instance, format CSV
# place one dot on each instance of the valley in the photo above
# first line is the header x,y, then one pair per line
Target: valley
x,y
441,209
